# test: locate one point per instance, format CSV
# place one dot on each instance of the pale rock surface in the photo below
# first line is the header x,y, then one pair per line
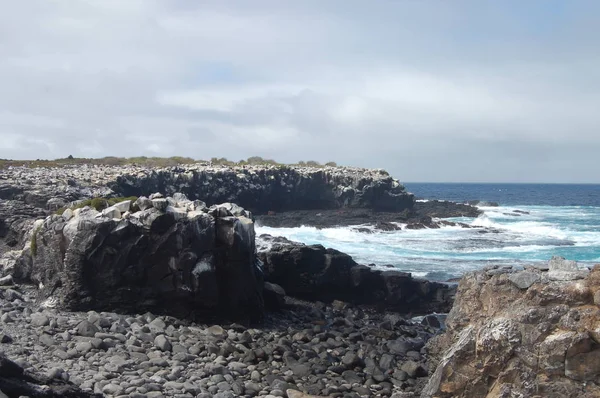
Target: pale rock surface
x,y
532,333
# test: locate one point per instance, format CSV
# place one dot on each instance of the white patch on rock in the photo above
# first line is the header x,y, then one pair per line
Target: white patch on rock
x,y
204,265
50,302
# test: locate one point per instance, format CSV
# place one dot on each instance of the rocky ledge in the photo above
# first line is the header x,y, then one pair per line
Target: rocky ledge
x,y
315,273
169,255
422,215
257,188
529,333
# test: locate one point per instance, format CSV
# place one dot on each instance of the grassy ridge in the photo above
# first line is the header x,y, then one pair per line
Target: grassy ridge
x,y
150,162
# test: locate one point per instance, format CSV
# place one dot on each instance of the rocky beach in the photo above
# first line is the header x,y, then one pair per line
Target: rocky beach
x,y
129,281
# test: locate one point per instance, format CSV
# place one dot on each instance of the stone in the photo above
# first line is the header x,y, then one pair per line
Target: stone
x,y
560,269
12,295
67,214
160,204
5,338
351,360
6,280
413,369
217,330
143,203
87,329
123,206
111,212
6,318
523,280
300,370
297,394
39,319
162,343
157,325
84,347
47,340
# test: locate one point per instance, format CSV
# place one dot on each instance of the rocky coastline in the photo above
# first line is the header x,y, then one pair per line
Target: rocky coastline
x,y
170,294
421,215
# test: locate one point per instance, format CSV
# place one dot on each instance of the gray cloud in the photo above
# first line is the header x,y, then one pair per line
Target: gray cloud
x,y
445,91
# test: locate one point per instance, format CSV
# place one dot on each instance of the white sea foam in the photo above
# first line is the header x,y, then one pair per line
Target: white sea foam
x,y
497,238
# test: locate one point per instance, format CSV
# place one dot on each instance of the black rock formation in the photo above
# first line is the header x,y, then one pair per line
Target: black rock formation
x,y
315,273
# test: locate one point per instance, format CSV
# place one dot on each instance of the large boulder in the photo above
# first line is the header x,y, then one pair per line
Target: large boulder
x,y
315,273
183,259
531,333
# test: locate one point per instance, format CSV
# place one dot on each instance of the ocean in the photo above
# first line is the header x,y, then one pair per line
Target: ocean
x,y
531,223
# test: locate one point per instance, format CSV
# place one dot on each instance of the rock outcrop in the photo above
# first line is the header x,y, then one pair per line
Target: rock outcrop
x,y
169,255
417,218
318,274
257,188
530,333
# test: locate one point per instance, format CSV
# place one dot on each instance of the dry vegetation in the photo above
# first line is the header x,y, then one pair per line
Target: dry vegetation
x,y
151,162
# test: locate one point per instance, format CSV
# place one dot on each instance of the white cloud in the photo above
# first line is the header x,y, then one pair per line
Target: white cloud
x,y
432,92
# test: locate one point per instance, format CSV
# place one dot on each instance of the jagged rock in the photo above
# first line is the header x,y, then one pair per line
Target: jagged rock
x,y
520,333
560,269
318,274
258,188
524,280
179,261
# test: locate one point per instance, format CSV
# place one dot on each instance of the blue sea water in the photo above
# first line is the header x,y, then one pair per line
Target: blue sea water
x,y
552,219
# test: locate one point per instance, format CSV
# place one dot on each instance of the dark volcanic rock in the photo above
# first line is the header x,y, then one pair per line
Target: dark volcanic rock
x,y
319,274
258,188
186,260
273,188
445,209
419,217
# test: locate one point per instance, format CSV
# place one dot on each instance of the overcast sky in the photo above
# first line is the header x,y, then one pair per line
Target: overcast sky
x,y
430,90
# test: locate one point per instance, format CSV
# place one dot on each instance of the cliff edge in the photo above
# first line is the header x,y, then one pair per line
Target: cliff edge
x,y
256,188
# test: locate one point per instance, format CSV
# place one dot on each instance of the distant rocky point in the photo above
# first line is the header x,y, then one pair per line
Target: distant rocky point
x,y
257,188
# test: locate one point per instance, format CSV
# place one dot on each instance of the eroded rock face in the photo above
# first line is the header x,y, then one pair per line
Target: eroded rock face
x,y
532,333
258,188
315,273
177,256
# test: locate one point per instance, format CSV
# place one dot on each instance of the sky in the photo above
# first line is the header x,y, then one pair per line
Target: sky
x,y
430,90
